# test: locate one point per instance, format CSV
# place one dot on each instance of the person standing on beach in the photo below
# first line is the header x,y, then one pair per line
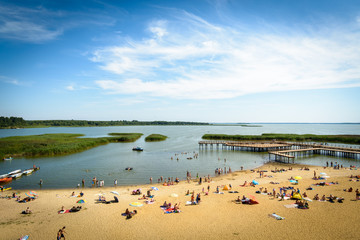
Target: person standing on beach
x,y
83,182
115,183
61,233
150,180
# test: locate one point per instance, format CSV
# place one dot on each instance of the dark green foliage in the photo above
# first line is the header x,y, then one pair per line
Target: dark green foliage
x,y
349,139
125,137
155,138
14,122
56,144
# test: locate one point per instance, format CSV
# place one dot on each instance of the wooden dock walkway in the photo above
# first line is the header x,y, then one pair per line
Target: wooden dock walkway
x,y
284,151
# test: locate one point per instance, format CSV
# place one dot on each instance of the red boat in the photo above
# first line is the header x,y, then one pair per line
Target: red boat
x,y
6,179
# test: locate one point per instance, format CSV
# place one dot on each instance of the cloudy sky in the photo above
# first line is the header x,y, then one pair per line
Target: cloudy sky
x,y
190,60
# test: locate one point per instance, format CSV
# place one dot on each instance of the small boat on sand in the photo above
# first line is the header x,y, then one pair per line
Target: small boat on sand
x,y
138,149
14,172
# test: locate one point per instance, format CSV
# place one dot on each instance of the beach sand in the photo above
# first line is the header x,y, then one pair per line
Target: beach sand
x,y
216,217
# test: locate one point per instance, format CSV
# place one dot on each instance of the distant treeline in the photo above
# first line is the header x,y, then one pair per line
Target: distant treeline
x,y
349,139
18,122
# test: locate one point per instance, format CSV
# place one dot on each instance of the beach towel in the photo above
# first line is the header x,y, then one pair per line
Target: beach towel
x,y
233,192
277,217
190,203
219,192
64,211
291,205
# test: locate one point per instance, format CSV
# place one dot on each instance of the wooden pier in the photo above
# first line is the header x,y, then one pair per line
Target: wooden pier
x,y
285,151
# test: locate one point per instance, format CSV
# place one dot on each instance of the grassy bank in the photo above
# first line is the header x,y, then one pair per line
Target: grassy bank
x,y
349,139
56,144
155,138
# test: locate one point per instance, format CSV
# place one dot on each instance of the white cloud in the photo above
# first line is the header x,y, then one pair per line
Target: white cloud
x,y
27,24
70,87
190,58
11,81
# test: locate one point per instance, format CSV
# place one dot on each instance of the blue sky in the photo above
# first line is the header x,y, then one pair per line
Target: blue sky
x,y
211,61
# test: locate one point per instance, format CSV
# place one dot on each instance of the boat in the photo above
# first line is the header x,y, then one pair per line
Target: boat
x,y
129,168
6,179
8,159
6,189
138,149
4,176
28,171
16,175
14,172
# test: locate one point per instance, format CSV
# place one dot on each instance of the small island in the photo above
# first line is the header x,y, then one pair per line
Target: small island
x,y
57,144
155,138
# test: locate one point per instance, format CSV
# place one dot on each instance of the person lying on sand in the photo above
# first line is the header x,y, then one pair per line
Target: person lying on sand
x,y
136,192
75,209
245,184
130,214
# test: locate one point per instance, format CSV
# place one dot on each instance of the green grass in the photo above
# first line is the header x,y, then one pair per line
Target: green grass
x,y
56,144
155,138
348,139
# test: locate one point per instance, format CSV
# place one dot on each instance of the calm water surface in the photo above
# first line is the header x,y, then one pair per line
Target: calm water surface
x,y
109,161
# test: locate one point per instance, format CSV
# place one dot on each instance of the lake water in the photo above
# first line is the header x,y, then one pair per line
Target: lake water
x,y
108,162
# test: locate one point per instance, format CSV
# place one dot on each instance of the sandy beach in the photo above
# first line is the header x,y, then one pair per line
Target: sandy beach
x,y
216,217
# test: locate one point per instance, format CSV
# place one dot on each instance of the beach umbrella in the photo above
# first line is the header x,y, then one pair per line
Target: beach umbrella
x,y
81,201
255,182
292,181
29,194
33,193
174,195
136,204
155,188
298,177
115,192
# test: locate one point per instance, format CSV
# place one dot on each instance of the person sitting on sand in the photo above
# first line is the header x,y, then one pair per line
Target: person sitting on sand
x,y
187,193
316,197
350,189
323,198
238,199
304,194
27,211
143,197
176,207
73,194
